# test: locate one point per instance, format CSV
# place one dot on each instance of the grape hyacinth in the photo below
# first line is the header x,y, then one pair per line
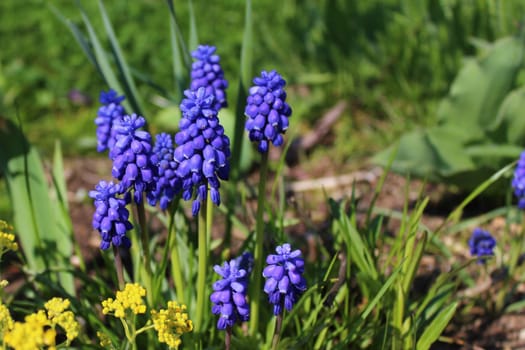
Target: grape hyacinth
x,y
229,293
207,72
131,157
284,280
518,182
481,243
167,182
267,110
107,116
111,218
203,149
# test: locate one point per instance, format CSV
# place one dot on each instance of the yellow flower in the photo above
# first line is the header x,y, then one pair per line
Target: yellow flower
x,y
58,316
171,323
131,298
39,329
6,322
7,238
31,334
104,340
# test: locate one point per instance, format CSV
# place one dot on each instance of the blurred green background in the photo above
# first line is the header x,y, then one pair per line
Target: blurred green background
x,y
391,60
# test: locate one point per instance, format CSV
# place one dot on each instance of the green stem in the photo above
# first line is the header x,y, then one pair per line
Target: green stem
x,y
118,267
144,236
277,331
203,262
176,271
259,240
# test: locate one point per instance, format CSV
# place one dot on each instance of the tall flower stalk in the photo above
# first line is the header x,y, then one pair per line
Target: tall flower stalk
x,y
202,160
267,120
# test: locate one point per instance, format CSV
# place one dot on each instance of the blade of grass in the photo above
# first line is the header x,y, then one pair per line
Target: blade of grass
x,y
194,37
102,58
129,83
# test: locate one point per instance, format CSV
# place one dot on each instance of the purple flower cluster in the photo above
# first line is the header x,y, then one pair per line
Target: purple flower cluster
x,y
481,243
203,149
518,181
206,72
229,293
111,216
131,155
167,183
108,114
267,110
284,278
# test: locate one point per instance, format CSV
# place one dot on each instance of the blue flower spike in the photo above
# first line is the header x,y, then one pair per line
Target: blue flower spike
x,y
167,182
107,116
267,111
111,218
284,278
518,181
203,149
131,156
229,293
207,72
481,244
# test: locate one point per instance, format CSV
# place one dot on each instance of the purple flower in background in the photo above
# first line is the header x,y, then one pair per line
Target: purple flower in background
x,y
284,278
167,183
481,243
267,110
203,149
131,157
206,72
107,115
518,182
229,293
111,218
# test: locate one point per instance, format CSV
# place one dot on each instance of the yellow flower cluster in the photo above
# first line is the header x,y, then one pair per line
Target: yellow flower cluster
x,y
6,322
39,329
131,298
57,315
31,334
171,323
7,238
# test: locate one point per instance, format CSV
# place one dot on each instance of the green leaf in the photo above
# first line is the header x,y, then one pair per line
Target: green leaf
x,y
179,67
509,125
42,225
122,66
436,327
102,59
481,86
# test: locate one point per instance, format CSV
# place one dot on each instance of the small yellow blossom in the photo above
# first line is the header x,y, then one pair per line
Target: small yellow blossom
x,y
39,329
131,298
6,322
31,334
171,323
7,238
104,340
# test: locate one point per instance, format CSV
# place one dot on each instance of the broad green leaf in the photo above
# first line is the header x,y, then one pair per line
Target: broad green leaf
x,y
42,225
481,85
509,124
434,329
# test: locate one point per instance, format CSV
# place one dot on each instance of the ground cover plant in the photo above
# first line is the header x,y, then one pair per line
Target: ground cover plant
x,y
194,255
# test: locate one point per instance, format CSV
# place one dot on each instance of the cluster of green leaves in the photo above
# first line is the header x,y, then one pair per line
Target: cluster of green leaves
x,y
480,127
